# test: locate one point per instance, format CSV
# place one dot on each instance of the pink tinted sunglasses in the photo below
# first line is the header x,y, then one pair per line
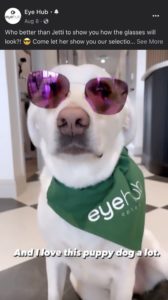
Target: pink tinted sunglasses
x,y
105,95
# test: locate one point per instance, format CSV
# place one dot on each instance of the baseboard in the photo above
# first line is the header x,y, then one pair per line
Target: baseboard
x,y
20,184
8,189
12,188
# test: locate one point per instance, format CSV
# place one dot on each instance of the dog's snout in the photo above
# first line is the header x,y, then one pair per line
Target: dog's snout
x,y
73,121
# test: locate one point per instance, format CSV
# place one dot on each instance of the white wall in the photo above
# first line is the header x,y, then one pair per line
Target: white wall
x,y
131,67
12,166
121,70
6,156
43,59
26,69
139,100
136,65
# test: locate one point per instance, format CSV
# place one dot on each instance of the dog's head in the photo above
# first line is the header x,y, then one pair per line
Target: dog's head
x,y
80,147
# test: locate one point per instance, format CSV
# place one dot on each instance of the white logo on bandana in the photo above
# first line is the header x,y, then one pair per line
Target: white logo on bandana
x,y
122,202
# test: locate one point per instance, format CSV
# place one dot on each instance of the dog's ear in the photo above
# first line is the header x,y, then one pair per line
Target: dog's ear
x,y
129,126
33,126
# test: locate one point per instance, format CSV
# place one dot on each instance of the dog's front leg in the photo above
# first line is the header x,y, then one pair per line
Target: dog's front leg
x,y
122,287
56,274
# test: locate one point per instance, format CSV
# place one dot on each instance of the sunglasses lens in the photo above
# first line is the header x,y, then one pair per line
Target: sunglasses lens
x,y
47,89
105,95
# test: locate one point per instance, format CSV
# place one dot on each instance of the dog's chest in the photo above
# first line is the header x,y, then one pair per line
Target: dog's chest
x,y
60,235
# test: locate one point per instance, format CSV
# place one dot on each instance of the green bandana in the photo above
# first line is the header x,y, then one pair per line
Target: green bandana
x,y
113,209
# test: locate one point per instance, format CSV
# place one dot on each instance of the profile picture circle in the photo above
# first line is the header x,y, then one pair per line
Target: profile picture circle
x,y
13,15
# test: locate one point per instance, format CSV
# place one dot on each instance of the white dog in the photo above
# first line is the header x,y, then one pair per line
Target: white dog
x,y
79,163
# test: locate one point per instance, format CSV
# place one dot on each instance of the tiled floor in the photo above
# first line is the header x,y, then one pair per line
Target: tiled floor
x,y
25,277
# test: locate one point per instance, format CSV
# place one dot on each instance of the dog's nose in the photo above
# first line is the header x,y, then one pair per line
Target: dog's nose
x,y
73,121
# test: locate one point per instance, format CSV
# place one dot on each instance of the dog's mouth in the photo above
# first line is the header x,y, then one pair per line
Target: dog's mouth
x,y
78,150
75,150
75,146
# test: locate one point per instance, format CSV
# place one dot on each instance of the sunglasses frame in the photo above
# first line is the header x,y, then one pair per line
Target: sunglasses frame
x,y
97,91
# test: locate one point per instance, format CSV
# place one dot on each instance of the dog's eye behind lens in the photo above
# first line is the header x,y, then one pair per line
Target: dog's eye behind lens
x,y
47,89
121,87
55,88
103,89
106,96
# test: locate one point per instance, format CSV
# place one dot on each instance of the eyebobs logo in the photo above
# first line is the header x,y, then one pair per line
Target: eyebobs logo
x,y
13,15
